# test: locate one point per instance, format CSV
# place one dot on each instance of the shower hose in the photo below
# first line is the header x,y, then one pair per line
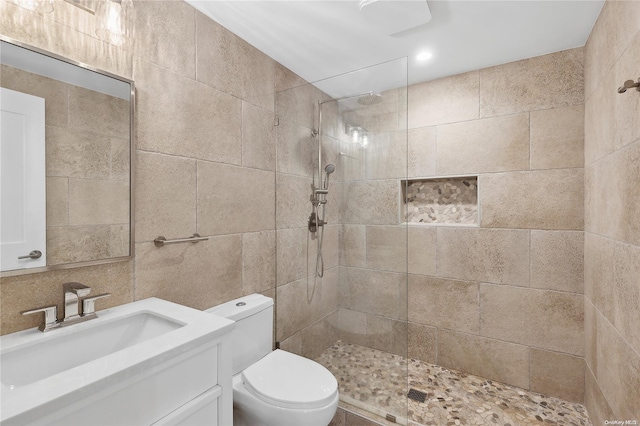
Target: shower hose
x,y
319,239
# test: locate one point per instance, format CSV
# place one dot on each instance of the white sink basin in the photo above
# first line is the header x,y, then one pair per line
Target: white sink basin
x,y
44,373
29,363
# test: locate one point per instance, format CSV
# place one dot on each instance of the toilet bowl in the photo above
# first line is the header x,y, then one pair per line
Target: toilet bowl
x,y
273,388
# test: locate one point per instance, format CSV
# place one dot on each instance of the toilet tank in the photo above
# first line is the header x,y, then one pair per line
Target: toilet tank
x,y
253,336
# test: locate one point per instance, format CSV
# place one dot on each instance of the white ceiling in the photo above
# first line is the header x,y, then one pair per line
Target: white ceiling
x,y
321,39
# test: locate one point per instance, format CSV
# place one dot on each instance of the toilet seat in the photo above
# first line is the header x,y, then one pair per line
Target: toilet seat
x,y
287,380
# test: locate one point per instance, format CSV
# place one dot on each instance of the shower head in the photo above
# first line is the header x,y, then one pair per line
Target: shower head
x,y
370,99
330,168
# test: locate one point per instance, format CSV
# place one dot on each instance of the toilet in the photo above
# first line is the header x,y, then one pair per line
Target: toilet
x,y
273,388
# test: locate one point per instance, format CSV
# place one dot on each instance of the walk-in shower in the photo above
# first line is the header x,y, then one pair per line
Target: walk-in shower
x,y
320,186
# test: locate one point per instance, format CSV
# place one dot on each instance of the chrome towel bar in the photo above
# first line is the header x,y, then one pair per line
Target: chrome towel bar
x,y
161,241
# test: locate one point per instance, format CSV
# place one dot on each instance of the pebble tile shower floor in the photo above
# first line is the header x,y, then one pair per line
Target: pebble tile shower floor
x,y
375,382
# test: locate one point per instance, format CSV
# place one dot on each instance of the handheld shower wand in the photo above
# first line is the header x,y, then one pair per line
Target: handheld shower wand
x,y
330,168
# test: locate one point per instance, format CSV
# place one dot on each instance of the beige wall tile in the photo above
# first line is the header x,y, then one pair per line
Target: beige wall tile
x,y
618,365
296,148
373,292
330,246
120,240
258,138
625,18
557,138
169,113
444,303
98,113
330,290
165,196
598,266
54,92
550,81
97,202
292,203
196,275
558,375
600,203
387,248
371,203
591,336
121,159
245,72
165,34
599,120
421,161
600,53
352,326
423,342
225,192
548,199
624,294
493,359
296,307
557,260
258,261
293,344
445,100
497,256
386,156
595,402
540,318
387,335
57,201
422,250
352,164
298,103
70,244
318,337
353,240
23,292
626,172
291,257
613,213
488,145
77,153
627,120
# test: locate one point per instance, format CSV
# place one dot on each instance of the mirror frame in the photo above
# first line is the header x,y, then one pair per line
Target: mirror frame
x,y
132,174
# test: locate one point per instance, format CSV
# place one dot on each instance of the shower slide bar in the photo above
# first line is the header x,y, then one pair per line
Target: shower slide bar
x,y
161,241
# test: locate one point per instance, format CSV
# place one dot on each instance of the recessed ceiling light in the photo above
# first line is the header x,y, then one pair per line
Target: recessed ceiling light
x,y
424,56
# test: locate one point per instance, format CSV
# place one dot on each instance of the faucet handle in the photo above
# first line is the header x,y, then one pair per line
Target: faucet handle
x,y
50,317
89,304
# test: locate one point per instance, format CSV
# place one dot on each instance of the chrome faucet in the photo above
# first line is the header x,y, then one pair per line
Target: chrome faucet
x,y
72,292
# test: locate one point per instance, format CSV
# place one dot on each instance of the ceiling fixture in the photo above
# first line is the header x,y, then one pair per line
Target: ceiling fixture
x,y
393,17
424,56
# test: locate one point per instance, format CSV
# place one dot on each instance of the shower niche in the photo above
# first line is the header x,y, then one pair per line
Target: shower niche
x,y
440,201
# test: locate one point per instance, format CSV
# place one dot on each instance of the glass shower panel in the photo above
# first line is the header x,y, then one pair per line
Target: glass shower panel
x,y
353,319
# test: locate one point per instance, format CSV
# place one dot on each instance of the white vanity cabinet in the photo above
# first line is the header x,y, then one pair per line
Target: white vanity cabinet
x,y
150,362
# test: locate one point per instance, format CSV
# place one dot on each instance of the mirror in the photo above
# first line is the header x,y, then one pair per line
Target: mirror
x,y
65,162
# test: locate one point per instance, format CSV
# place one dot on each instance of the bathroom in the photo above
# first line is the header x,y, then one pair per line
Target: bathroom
x,y
540,292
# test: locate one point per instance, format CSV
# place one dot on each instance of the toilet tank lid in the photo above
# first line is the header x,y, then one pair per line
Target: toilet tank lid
x,y
243,307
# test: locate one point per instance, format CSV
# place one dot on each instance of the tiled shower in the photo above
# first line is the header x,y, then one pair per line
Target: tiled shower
x,y
540,293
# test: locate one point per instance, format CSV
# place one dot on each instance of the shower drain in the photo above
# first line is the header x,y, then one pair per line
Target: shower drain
x,y
417,395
